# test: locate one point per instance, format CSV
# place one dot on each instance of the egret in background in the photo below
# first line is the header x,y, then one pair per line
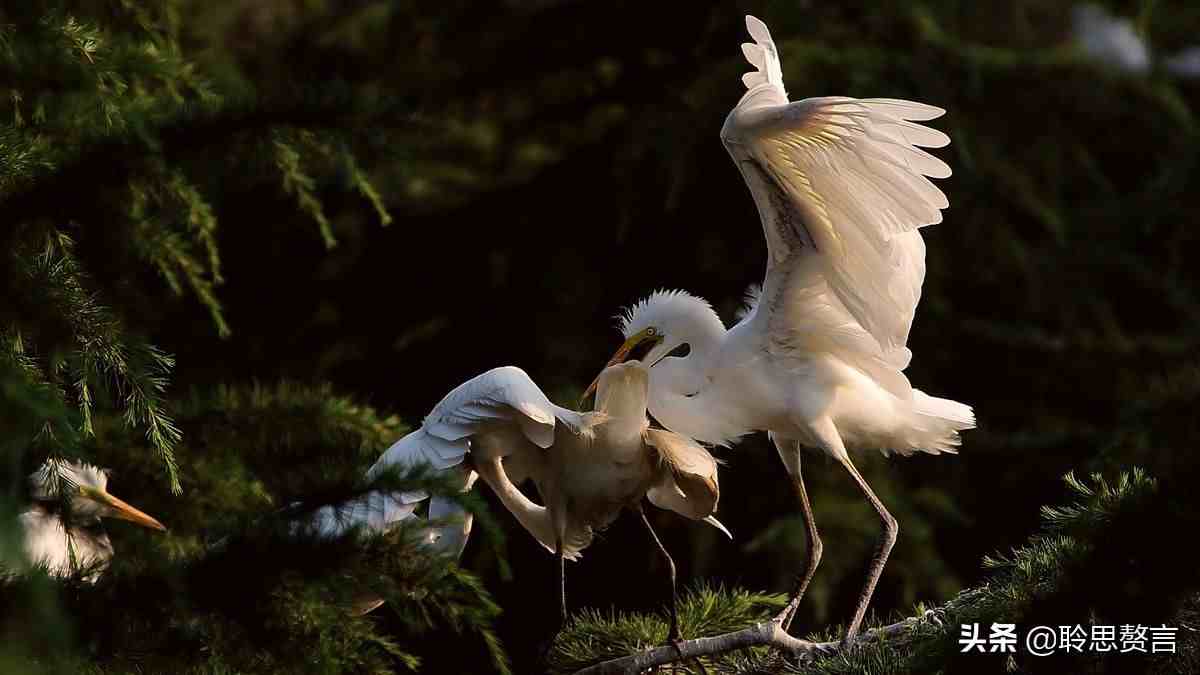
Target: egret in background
x,y
1113,42
818,358
586,467
61,529
1109,40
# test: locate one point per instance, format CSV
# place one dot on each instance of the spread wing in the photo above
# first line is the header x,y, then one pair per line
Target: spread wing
x,y
501,398
502,405
841,186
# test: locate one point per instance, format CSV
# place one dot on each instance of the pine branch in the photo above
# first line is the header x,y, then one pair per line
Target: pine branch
x,y
92,351
299,184
1097,538
188,130
766,634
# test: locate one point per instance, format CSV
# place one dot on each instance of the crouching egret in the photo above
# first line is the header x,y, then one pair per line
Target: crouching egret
x,y
818,359
586,467
61,529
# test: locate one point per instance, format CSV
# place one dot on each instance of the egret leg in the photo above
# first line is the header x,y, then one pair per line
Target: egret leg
x,y
562,585
789,452
673,634
548,646
891,529
831,441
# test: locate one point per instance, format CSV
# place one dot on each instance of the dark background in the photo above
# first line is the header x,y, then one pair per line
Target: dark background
x,y
562,160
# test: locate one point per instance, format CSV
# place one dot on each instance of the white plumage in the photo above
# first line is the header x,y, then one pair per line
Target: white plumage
x,y
61,530
1113,42
1109,40
586,467
842,187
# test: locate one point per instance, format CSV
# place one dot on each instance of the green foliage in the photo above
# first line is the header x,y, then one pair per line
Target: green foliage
x,y
105,107
1099,560
173,175
113,116
239,579
592,636
85,351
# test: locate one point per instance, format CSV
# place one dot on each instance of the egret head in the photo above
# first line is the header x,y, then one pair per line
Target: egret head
x,y
621,390
85,487
665,324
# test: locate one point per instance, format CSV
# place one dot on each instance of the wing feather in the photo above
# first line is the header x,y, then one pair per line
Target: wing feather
x,y
502,404
844,182
499,396
687,483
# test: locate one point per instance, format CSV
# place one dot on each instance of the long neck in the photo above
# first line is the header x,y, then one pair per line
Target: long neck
x,y
536,519
705,341
622,397
678,388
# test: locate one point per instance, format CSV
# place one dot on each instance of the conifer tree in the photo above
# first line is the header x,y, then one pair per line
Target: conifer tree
x,y
108,212
221,230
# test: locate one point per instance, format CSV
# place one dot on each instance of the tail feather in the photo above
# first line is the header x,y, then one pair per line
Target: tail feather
x,y
935,424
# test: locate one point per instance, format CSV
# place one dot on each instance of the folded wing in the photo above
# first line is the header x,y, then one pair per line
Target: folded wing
x,y
687,483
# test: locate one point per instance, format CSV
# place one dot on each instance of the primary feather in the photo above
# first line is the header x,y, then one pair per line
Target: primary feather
x,y
842,187
843,182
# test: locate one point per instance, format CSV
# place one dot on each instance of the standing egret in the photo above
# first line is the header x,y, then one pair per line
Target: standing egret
x,y
61,529
818,359
587,467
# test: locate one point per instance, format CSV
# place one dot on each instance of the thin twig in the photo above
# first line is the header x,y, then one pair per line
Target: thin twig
x,y
765,634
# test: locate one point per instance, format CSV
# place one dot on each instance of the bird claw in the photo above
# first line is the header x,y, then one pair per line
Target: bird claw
x,y
821,650
784,616
816,650
675,640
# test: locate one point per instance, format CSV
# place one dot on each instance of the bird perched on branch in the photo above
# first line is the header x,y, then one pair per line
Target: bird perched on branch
x,y
587,467
61,529
842,188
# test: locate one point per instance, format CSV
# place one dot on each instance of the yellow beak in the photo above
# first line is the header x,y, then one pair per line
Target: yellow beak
x,y
619,357
122,510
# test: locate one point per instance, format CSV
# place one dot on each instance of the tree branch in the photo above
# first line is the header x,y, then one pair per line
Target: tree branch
x,y
765,634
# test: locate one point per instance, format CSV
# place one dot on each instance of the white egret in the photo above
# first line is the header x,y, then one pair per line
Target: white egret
x,y
1109,40
1113,42
61,529
587,467
818,359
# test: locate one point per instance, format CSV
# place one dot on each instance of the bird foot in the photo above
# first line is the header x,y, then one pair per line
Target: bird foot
x,y
819,650
784,617
677,641
849,642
